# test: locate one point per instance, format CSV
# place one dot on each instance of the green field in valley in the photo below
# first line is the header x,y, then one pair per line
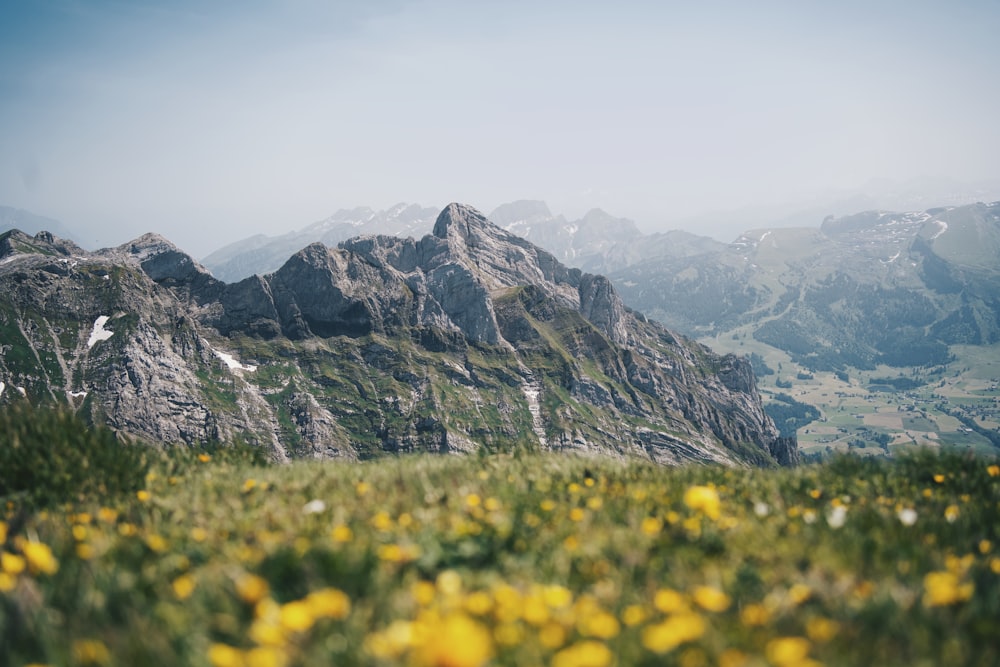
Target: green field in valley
x,y
502,560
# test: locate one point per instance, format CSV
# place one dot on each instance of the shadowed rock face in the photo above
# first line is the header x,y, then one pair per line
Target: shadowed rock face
x,y
468,338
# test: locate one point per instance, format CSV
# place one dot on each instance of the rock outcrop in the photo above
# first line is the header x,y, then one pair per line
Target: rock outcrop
x,y
468,338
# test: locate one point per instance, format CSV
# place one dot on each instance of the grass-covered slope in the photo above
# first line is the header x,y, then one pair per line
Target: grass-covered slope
x,y
506,561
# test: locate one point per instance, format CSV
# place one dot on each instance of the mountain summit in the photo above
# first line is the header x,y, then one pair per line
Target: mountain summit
x,y
469,338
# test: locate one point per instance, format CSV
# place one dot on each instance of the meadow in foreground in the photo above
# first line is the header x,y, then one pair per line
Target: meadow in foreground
x,y
541,560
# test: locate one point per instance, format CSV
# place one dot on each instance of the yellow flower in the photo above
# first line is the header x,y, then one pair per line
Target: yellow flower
x,y
183,586
993,470
669,601
204,458
799,593
822,629
754,615
40,558
703,499
587,653
156,543
945,588
142,495
329,603
473,500
711,599
457,641
3,532
651,526
7,582
248,485
939,479
732,658
787,651
674,631
601,625
199,534
633,615
342,534
11,563
251,588
479,603
296,616
577,514
91,652
951,513
265,656
223,655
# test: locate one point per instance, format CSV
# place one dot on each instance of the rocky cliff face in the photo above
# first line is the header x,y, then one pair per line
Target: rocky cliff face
x,y
468,338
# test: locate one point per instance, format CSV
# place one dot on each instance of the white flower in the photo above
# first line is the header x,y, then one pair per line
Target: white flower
x,y
907,516
314,507
761,509
809,516
837,516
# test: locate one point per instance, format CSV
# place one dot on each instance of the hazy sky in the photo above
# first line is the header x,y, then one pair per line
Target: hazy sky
x,y
210,121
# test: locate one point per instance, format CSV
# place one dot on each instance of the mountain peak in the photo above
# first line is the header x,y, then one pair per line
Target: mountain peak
x,y
459,220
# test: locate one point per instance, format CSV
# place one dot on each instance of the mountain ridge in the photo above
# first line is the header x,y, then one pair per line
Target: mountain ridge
x,y
467,339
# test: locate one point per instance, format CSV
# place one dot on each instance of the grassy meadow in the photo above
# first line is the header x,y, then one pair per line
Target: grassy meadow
x,y
219,560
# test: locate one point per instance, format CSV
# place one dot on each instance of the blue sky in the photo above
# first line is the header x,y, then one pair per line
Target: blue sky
x,y
210,121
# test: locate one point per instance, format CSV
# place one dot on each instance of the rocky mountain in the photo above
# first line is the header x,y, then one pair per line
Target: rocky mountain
x,y
263,254
470,338
598,242
25,221
866,289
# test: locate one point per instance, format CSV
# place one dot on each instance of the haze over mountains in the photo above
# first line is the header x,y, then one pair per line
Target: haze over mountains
x,y
470,338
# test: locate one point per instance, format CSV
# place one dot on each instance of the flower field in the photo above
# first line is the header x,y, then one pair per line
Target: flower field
x,y
541,560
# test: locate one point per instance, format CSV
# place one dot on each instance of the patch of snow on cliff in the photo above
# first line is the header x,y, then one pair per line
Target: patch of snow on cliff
x,y
2,387
232,364
943,228
99,332
78,394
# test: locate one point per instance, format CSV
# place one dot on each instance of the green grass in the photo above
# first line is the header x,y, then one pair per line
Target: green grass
x,y
512,561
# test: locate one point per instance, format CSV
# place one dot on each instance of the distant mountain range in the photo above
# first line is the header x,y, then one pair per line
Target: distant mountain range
x,y
468,339
872,288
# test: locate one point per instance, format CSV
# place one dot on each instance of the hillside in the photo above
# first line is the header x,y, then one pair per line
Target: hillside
x,y
468,339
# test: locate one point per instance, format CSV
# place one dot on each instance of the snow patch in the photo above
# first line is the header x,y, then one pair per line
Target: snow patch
x,y
766,234
2,387
22,391
78,394
232,364
891,259
99,332
943,227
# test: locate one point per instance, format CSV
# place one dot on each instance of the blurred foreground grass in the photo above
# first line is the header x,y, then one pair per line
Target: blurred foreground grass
x,y
542,560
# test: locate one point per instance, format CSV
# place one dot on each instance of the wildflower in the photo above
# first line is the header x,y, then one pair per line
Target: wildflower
x,y
787,651
382,521
223,655
587,653
951,513
39,557
761,509
249,485
142,495
11,564
296,616
204,458
577,514
939,479
837,517
945,588
265,656
907,516
703,499
651,526
674,631
457,641
799,593
251,588
732,658
552,635
473,500
3,532
91,652
754,615
7,582
362,488
601,625
183,586
711,599
478,603
993,470
449,582
314,507
821,629
342,534
199,534
669,601
633,615
156,543
329,603
557,596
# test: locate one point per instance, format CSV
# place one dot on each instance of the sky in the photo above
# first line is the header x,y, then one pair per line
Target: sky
x,y
211,121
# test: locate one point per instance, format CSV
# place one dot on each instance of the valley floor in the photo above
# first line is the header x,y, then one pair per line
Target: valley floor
x,y
513,561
